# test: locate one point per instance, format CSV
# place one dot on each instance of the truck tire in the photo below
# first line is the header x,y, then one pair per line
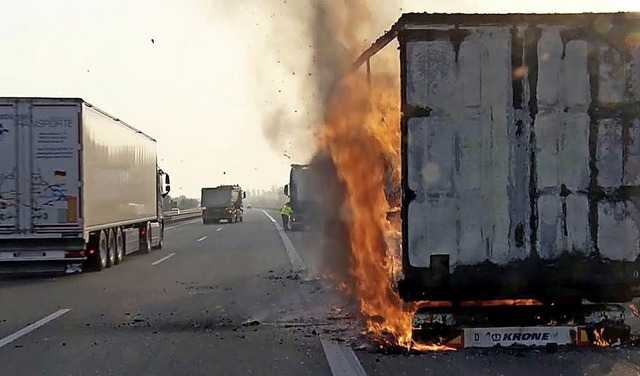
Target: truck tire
x,y
111,248
161,241
145,240
119,246
103,252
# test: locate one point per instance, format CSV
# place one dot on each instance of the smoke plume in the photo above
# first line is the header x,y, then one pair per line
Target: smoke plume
x,y
298,49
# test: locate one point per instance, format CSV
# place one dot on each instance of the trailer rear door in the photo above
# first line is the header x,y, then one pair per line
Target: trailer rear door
x,y
40,167
8,169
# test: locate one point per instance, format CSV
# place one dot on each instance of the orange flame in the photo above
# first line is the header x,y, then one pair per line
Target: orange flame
x,y
362,134
599,338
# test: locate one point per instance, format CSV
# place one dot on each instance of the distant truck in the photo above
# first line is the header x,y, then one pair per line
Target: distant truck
x,y
520,172
78,187
223,202
304,195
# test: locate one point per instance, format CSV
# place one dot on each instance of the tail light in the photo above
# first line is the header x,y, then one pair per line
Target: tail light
x,y
229,210
143,232
76,254
92,251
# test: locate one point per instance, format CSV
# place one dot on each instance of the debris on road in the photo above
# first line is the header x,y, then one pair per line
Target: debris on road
x,y
251,322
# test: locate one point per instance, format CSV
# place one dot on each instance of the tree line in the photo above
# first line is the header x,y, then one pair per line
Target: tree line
x,y
266,198
181,202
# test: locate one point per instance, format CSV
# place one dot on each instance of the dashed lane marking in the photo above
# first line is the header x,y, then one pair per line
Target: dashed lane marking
x,y
165,258
30,328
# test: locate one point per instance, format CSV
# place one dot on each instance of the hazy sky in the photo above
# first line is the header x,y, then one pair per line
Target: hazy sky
x,y
194,89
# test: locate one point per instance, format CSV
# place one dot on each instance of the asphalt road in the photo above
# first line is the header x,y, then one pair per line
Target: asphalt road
x,y
224,300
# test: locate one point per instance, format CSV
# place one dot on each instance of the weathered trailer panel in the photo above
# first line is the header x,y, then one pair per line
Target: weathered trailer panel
x,y
520,152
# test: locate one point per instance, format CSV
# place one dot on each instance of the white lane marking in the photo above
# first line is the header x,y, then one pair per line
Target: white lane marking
x,y
202,238
182,224
219,229
294,257
342,360
170,255
30,328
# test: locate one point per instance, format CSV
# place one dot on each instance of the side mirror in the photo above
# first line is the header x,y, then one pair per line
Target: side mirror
x,y
286,190
167,184
244,194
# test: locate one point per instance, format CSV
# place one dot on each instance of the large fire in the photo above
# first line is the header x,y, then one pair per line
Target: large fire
x,y
362,133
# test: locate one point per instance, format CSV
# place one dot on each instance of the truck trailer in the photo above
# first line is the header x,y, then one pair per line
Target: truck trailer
x,y
223,202
304,192
520,173
78,187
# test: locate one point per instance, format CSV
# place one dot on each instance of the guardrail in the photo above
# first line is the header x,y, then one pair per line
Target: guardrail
x,y
172,216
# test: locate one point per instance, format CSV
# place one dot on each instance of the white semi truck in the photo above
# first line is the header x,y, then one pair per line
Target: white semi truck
x,y
78,187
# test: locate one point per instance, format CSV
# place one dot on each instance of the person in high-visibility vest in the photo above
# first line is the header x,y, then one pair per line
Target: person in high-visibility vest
x,y
286,212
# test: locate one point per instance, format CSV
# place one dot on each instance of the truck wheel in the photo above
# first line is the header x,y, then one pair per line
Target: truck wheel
x,y
103,252
111,248
161,241
145,239
119,246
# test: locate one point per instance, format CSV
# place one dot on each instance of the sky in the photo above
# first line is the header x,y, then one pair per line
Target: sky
x,y
207,88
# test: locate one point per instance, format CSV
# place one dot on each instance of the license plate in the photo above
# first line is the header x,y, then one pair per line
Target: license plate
x,y
38,255
535,336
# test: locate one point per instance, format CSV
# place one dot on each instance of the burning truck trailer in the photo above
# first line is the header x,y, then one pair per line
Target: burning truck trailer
x,y
520,176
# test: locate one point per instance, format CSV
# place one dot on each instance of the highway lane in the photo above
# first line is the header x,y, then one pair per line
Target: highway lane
x,y
181,316
180,310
